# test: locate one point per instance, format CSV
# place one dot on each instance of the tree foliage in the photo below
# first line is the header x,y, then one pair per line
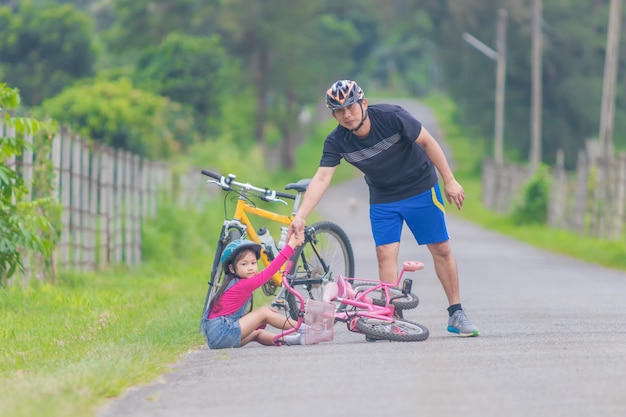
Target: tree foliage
x,y
190,70
291,51
45,48
140,24
119,115
574,46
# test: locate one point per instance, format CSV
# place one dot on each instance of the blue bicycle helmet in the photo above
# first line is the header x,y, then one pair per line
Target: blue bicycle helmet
x,y
233,248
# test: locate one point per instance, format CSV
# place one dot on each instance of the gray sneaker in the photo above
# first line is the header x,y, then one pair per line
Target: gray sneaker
x,y
460,324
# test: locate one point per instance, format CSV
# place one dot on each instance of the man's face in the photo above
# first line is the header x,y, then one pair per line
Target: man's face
x,y
350,116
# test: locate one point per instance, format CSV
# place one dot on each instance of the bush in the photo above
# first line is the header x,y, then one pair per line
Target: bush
x,y
23,227
177,233
533,207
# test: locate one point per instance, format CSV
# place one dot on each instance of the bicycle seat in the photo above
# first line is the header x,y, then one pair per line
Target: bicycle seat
x,y
341,288
299,186
330,292
412,265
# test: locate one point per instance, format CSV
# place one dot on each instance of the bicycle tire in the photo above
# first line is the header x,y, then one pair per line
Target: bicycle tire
x,y
217,276
403,302
325,254
400,330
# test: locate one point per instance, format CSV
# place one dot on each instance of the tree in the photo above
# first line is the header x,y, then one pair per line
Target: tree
x,y
574,41
144,23
44,48
403,55
121,116
190,70
292,51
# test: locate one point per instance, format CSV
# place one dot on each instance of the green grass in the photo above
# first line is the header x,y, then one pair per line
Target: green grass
x,y
66,348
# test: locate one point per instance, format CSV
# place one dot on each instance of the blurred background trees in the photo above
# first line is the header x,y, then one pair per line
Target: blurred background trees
x,y
253,73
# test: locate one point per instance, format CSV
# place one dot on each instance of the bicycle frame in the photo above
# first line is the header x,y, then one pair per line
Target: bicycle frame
x,y
361,301
363,306
241,220
242,212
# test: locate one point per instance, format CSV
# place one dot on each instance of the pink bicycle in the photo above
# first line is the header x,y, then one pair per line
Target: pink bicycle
x,y
367,307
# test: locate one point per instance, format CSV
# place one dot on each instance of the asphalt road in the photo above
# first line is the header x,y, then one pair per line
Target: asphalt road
x,y
553,342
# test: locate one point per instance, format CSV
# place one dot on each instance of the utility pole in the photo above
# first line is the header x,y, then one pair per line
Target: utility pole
x,y
500,80
537,87
607,115
500,57
607,111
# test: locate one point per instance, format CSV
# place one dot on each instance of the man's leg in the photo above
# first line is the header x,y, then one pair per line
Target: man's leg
x,y
446,270
388,261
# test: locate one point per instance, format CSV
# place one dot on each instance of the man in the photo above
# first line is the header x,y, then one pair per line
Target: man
x,y
398,157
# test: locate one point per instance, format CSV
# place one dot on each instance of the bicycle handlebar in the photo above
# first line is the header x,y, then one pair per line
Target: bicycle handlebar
x,y
227,182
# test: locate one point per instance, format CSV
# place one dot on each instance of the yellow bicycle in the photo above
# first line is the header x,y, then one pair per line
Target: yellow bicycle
x,y
325,253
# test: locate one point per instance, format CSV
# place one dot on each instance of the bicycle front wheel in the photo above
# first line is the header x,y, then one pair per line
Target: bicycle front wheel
x,y
325,254
398,330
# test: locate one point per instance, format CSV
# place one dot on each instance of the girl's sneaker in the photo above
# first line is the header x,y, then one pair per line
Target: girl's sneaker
x,y
297,337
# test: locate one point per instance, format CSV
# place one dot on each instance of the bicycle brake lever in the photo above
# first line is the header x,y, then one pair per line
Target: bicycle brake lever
x,y
217,183
270,195
225,183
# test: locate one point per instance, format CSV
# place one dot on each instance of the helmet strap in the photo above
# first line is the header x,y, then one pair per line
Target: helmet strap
x,y
364,113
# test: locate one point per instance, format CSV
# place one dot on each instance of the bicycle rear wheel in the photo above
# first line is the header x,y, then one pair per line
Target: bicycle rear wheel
x,y
398,330
217,272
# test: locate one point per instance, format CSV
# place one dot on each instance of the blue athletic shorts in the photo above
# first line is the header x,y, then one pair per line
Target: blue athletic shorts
x,y
424,214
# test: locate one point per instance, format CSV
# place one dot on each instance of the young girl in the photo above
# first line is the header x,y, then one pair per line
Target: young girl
x,y
226,324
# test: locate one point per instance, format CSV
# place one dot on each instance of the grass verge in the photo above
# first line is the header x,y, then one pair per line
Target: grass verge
x,y
66,348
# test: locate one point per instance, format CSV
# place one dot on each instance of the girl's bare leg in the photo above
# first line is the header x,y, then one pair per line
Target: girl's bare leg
x,y
251,322
259,335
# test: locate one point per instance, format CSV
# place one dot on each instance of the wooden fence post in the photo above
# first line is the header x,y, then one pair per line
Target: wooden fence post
x,y
55,189
27,175
104,206
136,211
117,206
94,187
66,163
620,192
556,209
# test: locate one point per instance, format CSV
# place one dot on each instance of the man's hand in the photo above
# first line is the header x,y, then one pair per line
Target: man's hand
x,y
454,193
296,226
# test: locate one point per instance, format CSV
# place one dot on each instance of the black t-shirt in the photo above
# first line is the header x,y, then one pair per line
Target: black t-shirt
x,y
395,166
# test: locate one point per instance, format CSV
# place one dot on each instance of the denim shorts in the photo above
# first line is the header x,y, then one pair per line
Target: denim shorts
x,y
424,214
222,332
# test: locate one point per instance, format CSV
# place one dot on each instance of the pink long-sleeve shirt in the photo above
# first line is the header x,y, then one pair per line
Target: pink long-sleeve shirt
x,y
240,292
